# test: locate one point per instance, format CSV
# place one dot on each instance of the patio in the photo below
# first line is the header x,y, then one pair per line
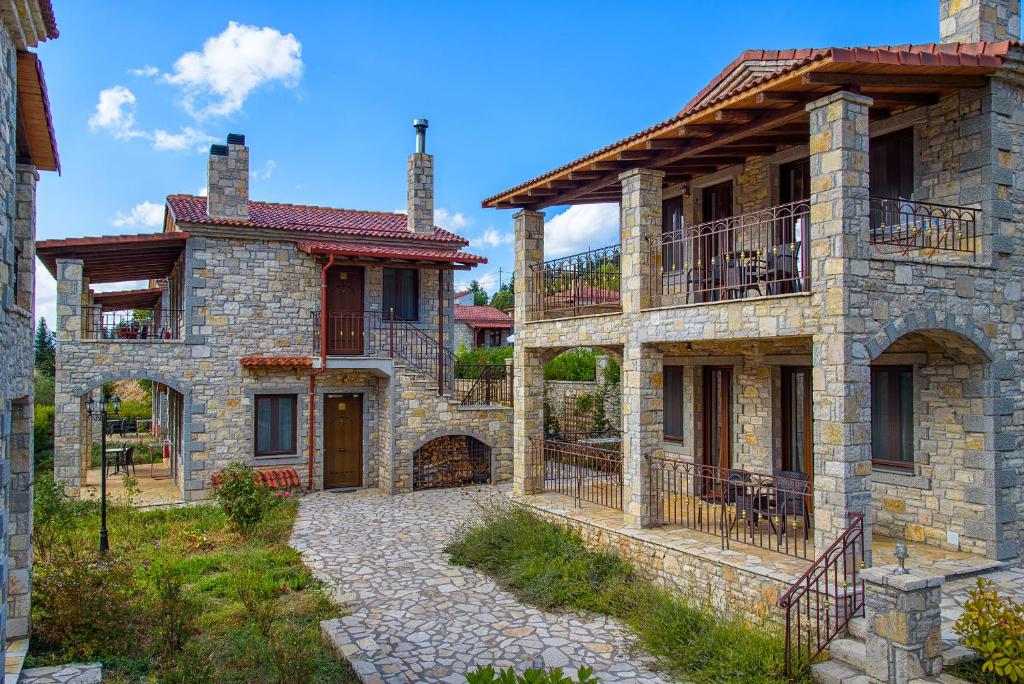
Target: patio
x,y
156,489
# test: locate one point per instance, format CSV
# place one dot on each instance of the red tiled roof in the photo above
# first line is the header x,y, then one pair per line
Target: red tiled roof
x,y
272,478
306,218
462,293
983,54
257,361
381,251
482,316
49,20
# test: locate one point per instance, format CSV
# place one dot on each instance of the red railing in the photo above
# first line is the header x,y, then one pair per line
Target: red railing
x,y
371,333
576,285
904,227
132,324
586,473
771,512
820,605
759,253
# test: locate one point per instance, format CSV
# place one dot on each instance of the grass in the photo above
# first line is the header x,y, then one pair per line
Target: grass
x,y
548,566
168,603
970,671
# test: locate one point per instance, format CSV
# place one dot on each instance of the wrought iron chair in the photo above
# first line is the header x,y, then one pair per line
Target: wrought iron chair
x,y
791,502
783,268
752,504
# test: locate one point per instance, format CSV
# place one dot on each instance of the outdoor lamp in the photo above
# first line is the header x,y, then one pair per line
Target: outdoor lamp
x,y
112,405
901,557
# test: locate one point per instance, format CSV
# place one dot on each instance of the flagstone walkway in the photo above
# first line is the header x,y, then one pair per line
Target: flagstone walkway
x,y
418,619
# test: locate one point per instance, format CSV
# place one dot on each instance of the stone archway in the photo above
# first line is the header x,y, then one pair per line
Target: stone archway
x,y
451,461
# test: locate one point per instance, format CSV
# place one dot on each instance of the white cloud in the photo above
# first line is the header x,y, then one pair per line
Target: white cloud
x,y
146,213
264,172
203,191
46,296
493,237
186,138
488,281
242,58
446,219
146,71
581,227
115,113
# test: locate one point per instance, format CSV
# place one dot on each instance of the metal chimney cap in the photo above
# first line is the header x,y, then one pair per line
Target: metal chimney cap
x,y
420,123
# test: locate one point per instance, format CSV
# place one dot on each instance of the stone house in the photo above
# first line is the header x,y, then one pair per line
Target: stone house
x,y
481,326
817,309
29,147
309,339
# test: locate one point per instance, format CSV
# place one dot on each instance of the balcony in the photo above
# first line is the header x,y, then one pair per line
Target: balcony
x,y
757,254
919,229
151,325
576,285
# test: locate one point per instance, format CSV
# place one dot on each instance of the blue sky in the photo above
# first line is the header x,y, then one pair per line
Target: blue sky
x,y
325,93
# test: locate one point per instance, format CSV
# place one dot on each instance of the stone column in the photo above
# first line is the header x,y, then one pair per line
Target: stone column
x,y
971,21
67,418
528,381
640,218
841,381
642,407
904,640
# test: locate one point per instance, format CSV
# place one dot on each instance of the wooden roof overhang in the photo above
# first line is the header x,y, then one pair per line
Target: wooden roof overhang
x,y
147,298
35,137
117,258
387,253
761,118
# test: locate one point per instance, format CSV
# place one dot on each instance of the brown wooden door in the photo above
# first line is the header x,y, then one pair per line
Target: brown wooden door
x,y
346,323
797,422
343,440
717,416
711,240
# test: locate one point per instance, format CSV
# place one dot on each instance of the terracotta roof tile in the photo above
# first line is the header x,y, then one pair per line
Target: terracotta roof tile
x,y
383,251
307,218
482,316
257,361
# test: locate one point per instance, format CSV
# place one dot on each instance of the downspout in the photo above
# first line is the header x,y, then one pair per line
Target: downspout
x,y
323,366
440,331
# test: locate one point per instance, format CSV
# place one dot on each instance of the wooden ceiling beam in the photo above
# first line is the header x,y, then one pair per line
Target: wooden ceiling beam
x,y
777,97
893,80
610,165
698,130
584,175
667,143
903,99
635,155
736,116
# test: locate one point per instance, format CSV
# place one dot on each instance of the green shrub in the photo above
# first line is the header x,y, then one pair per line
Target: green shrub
x,y
258,593
466,360
245,502
487,675
42,436
993,626
43,392
575,364
172,612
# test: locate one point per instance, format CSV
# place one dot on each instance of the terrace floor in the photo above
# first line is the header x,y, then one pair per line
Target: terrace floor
x,y
156,486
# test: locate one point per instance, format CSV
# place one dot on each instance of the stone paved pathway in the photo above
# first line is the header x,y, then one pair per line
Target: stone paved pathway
x,y
72,673
418,619
1007,581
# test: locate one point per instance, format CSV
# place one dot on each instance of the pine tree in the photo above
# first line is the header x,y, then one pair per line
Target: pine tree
x,y
46,349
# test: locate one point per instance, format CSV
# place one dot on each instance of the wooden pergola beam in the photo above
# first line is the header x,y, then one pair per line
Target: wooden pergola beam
x,y
893,80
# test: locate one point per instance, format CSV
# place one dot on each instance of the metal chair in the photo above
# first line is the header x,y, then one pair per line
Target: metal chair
x,y
792,502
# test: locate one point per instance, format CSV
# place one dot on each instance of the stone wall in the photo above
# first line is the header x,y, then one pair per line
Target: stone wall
x,y
963,314
258,297
561,396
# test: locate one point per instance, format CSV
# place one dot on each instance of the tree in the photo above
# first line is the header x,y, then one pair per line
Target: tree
x,y
479,293
505,297
46,349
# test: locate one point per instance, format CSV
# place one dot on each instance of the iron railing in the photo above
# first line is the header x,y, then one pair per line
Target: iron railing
x,y
483,383
771,512
371,333
132,324
905,227
763,252
586,473
820,605
576,285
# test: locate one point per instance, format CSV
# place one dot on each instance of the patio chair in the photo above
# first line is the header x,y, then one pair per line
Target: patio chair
x,y
783,269
792,501
750,505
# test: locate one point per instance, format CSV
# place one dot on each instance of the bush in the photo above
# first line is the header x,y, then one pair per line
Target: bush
x,y
172,612
245,502
487,675
258,593
993,625
43,392
465,359
42,435
575,364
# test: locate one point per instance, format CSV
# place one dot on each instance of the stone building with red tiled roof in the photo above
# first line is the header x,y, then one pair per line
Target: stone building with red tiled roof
x,y
816,300
481,326
285,336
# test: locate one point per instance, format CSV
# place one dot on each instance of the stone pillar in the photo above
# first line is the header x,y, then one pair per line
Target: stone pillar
x,y
971,21
420,193
19,540
528,420
904,640
642,407
67,410
640,218
841,380
529,245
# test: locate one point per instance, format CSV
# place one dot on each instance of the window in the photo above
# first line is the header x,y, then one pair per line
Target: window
x,y
402,293
892,164
275,424
892,416
672,255
797,444
673,415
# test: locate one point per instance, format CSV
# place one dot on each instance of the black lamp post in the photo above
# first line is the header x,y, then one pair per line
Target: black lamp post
x,y
107,406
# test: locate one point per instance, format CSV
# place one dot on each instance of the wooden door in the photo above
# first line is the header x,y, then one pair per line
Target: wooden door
x,y
717,416
797,422
712,241
346,328
343,440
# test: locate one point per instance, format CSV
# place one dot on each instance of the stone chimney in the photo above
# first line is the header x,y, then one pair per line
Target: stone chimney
x,y
971,21
227,179
420,195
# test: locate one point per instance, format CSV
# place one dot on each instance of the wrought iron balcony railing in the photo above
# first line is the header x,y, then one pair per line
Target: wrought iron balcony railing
x,y
576,285
133,324
908,228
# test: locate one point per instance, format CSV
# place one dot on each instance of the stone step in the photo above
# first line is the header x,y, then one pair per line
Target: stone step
x,y
849,651
836,672
858,628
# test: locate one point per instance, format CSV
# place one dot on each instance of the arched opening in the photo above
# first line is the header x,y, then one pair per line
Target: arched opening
x,y
451,461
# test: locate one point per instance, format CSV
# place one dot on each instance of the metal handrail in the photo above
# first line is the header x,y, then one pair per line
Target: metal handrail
x,y
901,226
153,324
588,282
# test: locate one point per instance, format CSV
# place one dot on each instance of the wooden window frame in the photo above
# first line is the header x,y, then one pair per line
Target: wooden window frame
x,y
384,292
808,408
906,463
275,425
674,439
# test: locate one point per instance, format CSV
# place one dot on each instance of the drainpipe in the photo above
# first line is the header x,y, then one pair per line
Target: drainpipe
x,y
323,365
440,330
